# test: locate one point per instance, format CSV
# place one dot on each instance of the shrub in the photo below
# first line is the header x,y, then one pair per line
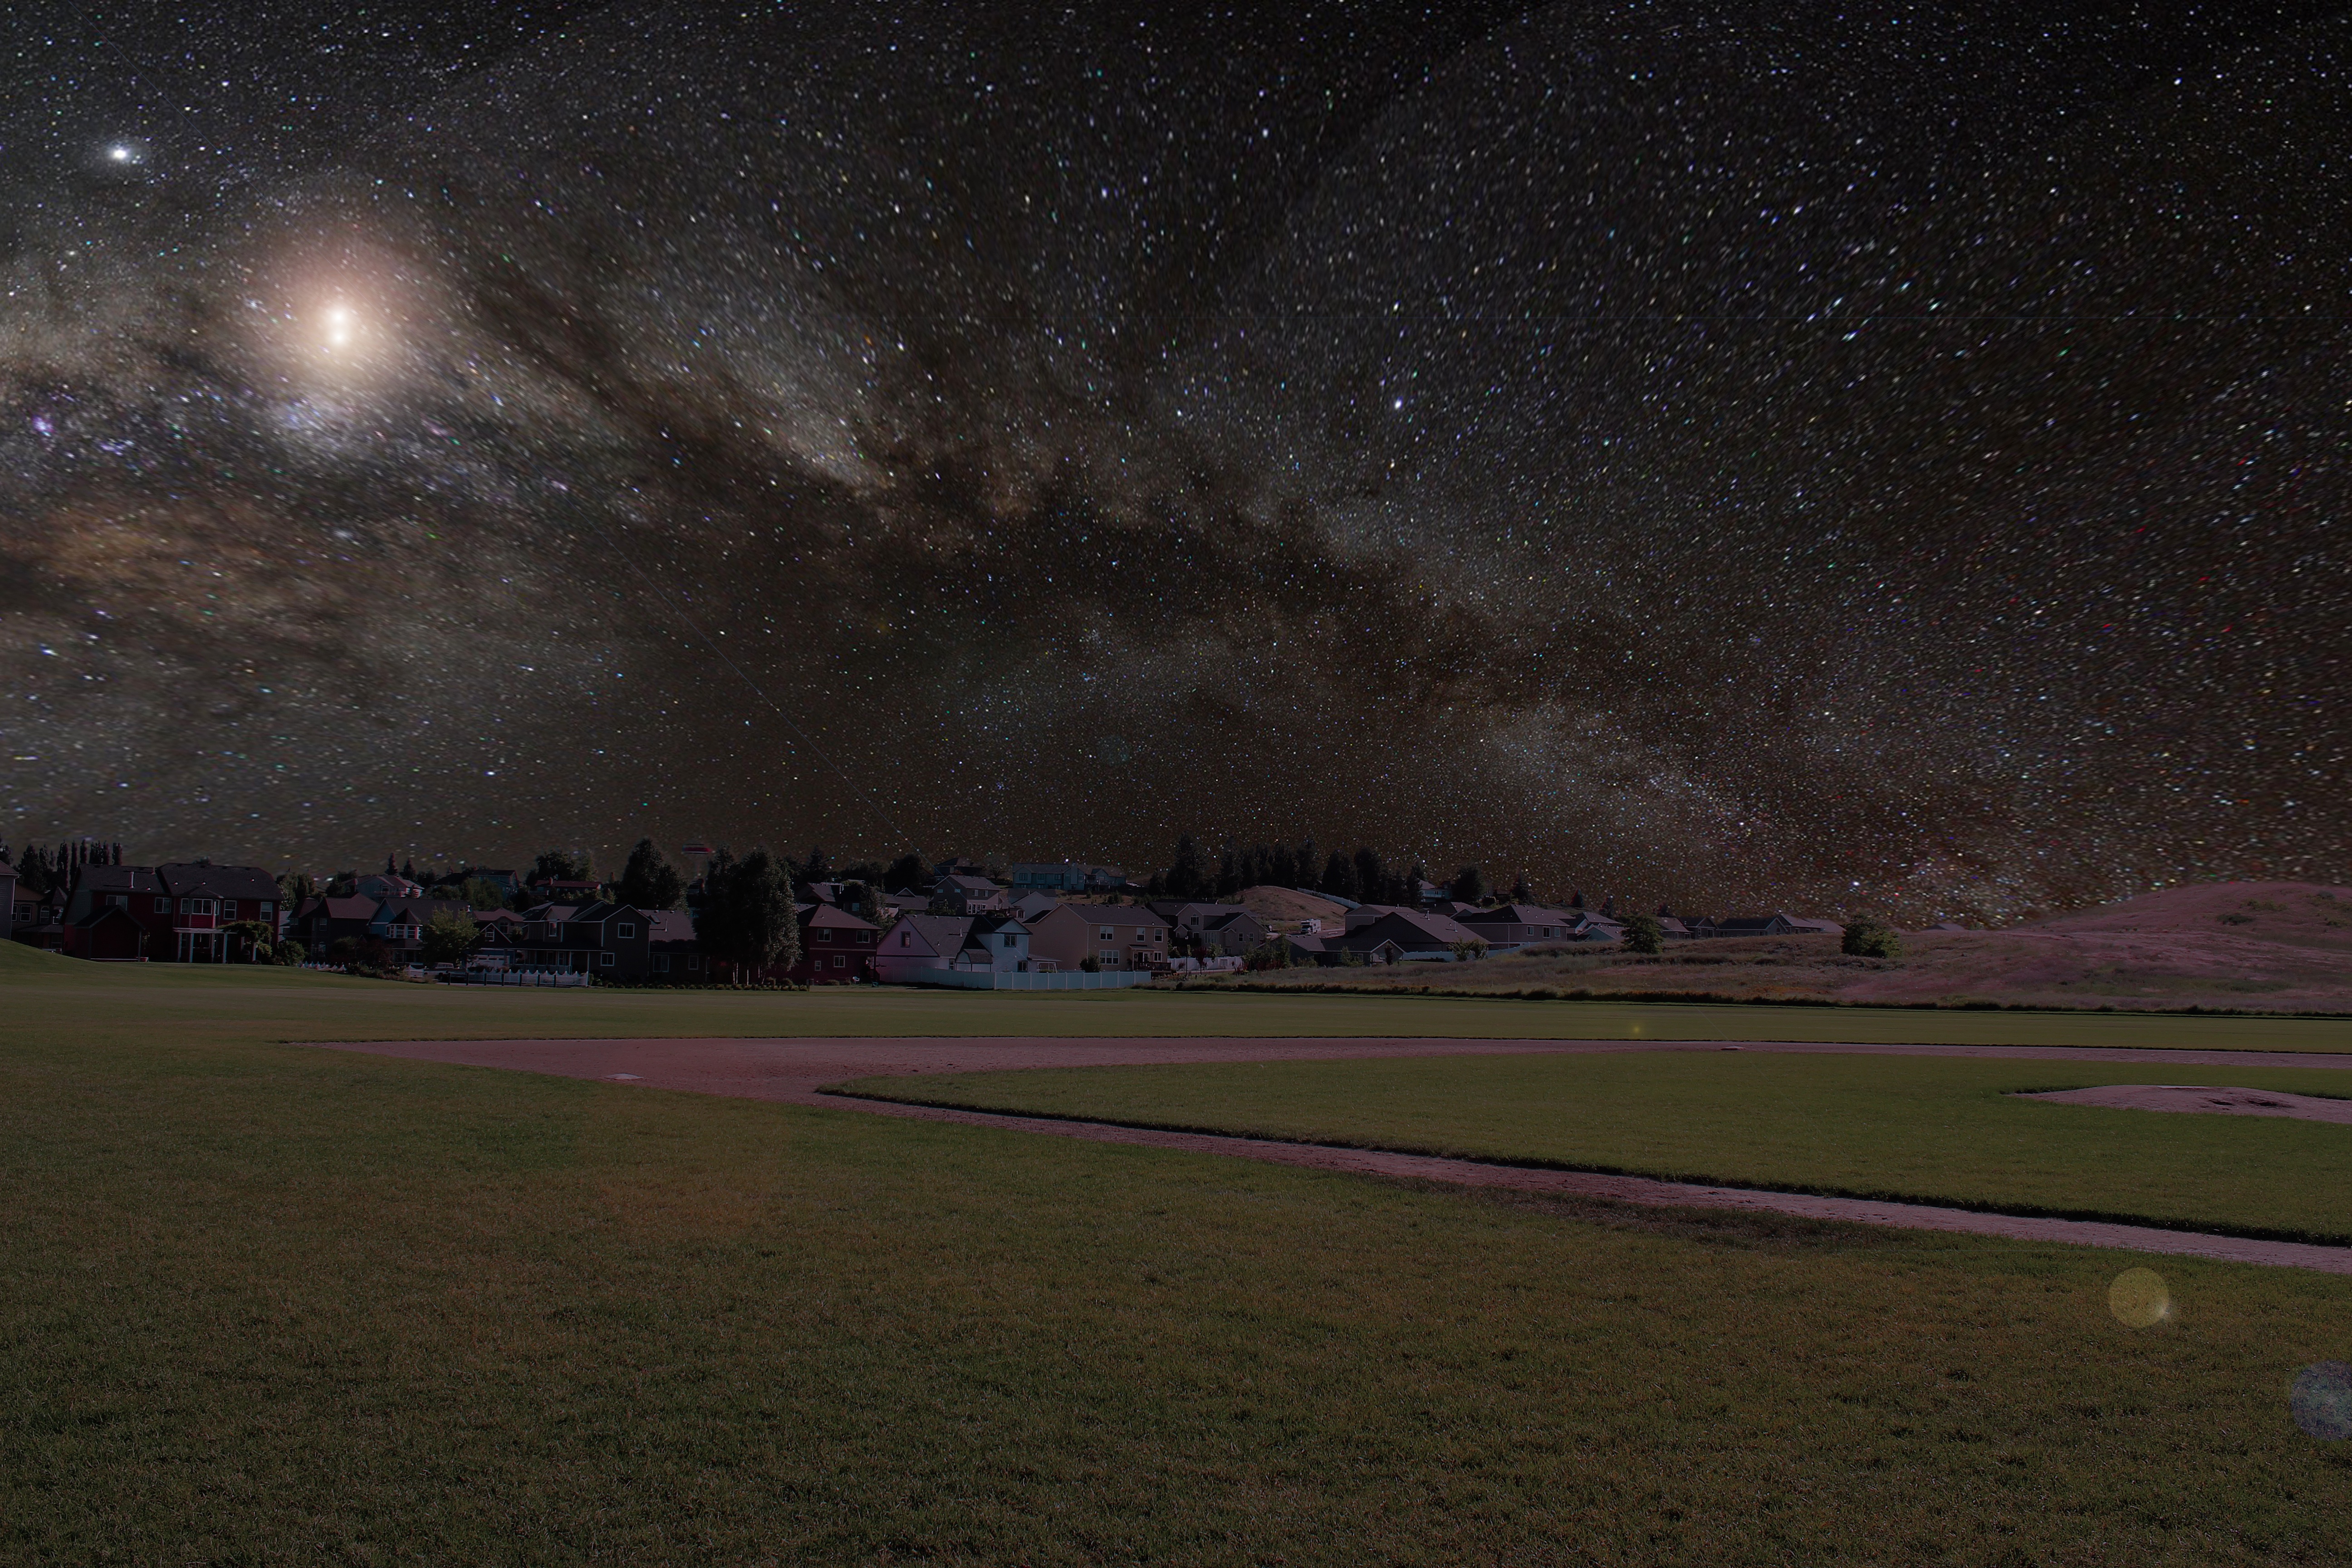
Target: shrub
x,y
1645,934
1870,937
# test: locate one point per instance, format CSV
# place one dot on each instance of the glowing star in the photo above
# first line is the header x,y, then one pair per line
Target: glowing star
x,y
340,325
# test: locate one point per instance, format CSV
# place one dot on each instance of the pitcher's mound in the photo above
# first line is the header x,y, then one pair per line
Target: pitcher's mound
x,y
2200,1097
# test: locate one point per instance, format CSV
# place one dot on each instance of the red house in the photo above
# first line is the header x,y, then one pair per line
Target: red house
x,y
167,914
836,948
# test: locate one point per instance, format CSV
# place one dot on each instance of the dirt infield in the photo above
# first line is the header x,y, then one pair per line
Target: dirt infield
x,y
2203,1098
795,1071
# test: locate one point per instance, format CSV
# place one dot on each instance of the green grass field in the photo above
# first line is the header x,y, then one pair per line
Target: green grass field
x,y
260,1303
1930,1129
273,1004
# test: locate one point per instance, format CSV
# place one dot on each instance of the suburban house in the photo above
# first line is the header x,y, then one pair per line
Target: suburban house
x,y
1509,926
177,913
1067,877
1116,936
1775,924
611,941
388,885
997,942
837,948
918,943
1398,935
969,895
1228,929
1029,906
675,955
322,921
400,922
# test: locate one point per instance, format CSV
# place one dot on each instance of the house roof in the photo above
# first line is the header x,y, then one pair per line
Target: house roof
x,y
116,878
669,925
938,933
812,915
1518,915
1227,921
1412,928
416,912
198,880
968,885
339,908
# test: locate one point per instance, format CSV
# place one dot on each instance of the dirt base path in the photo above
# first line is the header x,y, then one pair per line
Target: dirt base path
x,y
795,1071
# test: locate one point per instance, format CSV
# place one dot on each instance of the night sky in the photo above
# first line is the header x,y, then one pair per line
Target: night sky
x,y
1730,455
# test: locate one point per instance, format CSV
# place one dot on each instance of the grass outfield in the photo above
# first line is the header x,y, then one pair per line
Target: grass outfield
x,y
261,1303
37,990
1929,1129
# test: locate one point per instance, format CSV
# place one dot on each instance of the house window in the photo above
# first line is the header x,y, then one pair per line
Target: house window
x,y
627,932
824,936
1158,934
840,962
1108,955
661,963
198,906
1107,933
265,908
694,961
163,906
1008,941
605,959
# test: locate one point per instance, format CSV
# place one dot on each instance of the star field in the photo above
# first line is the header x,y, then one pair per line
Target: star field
x,y
1707,453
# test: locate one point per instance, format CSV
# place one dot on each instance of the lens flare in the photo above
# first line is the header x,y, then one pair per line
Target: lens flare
x,y
341,326
2138,1298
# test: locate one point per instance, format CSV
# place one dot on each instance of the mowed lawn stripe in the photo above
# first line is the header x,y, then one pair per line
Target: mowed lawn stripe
x,y
1926,1130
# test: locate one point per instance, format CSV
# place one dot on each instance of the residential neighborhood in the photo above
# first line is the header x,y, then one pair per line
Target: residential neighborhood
x,y
958,922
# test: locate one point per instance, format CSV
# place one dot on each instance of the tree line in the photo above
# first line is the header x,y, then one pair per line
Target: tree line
x,y
1365,877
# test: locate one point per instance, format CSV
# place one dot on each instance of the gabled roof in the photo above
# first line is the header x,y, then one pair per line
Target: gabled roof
x,y
813,915
940,934
1226,922
197,880
1431,929
339,908
967,884
117,879
669,925
414,912
1519,915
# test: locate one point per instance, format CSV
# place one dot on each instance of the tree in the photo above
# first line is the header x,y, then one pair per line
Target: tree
x,y
1464,952
253,937
1339,876
408,870
1870,937
816,868
1229,876
448,937
1187,875
747,914
480,893
648,881
1372,878
1576,899
1302,864
1272,953
865,901
1469,885
1645,934
562,865
391,868
907,874
1520,892
1413,879
290,952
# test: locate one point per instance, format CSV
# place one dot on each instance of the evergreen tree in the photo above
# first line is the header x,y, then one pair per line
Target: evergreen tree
x,y
1576,899
817,867
1188,877
1303,867
408,870
1372,878
1643,934
1410,892
1229,876
1339,876
1520,892
1469,885
648,881
907,874
390,868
